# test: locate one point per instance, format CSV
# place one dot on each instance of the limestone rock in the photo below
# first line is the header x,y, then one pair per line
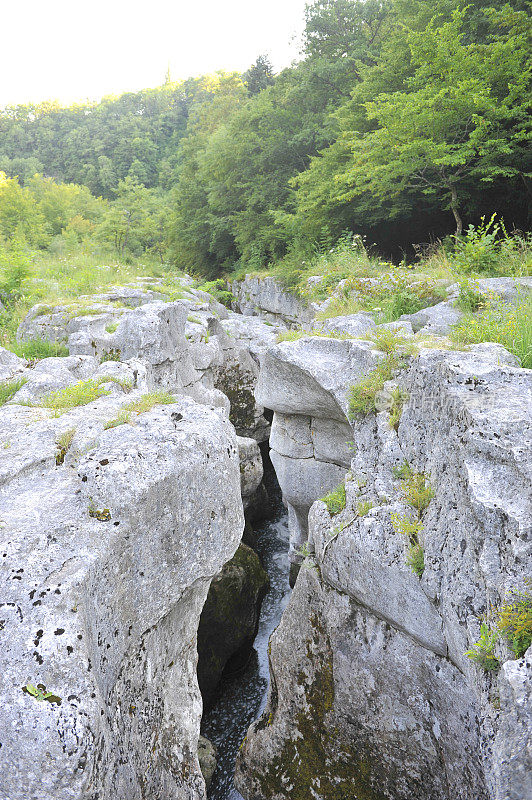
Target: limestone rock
x,y
372,694
352,324
264,296
108,556
207,759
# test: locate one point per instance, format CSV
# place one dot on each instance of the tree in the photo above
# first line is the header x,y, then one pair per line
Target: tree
x,y
460,121
259,76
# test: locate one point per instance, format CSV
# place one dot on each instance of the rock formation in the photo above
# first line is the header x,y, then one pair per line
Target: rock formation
x,y
372,695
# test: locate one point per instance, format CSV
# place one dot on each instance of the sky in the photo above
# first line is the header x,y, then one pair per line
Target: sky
x,y
71,50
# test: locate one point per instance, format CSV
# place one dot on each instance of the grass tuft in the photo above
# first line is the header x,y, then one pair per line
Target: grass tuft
x,y
37,349
8,389
148,401
335,500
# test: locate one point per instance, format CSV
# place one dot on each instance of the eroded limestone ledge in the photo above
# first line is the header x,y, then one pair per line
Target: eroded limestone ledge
x,y
372,696
107,557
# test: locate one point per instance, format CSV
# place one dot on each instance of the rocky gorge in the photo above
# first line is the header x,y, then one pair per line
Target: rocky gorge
x,y
130,471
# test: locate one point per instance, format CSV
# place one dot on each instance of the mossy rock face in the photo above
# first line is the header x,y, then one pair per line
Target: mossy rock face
x,y
345,718
229,619
239,386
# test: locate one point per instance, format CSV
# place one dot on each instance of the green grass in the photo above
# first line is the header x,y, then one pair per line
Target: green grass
x,y
361,397
364,507
78,394
509,325
111,328
8,389
335,500
148,401
37,349
398,398
411,530
121,419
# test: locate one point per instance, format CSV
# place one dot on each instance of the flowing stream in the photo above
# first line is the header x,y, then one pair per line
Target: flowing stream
x,y
242,697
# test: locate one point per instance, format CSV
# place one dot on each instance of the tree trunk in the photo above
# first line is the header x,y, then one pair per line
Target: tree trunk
x,y
454,209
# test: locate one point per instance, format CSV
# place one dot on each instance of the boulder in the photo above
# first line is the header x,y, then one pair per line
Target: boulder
x,y
266,297
207,757
110,541
351,325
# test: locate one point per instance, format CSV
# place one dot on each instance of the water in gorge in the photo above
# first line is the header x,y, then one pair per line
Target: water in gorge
x,y
242,697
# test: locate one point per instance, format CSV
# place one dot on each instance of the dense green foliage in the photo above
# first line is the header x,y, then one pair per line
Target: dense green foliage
x,y
403,120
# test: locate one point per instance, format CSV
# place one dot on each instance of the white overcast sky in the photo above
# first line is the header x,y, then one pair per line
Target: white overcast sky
x,y
72,50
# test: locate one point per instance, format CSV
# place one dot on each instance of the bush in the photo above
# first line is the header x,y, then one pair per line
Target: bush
x,y
335,500
509,325
482,651
489,250
514,620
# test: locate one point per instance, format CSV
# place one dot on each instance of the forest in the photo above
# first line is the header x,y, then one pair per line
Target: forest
x,y
403,122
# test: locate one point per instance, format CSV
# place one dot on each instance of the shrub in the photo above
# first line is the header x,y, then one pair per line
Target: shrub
x,y
37,349
335,500
509,325
218,289
417,491
488,249
470,298
514,620
415,558
482,651
8,389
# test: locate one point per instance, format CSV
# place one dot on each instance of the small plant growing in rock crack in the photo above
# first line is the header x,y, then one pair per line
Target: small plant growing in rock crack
x,y
102,515
304,551
121,419
411,530
63,443
37,349
148,401
403,471
417,491
110,355
361,396
111,327
514,620
335,500
398,398
364,507
8,389
41,694
482,651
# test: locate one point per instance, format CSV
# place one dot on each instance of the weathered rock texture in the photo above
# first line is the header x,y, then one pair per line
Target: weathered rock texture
x,y
372,696
264,296
305,383
107,559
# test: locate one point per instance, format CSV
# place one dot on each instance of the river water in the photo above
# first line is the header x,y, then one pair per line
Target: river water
x,y
242,697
